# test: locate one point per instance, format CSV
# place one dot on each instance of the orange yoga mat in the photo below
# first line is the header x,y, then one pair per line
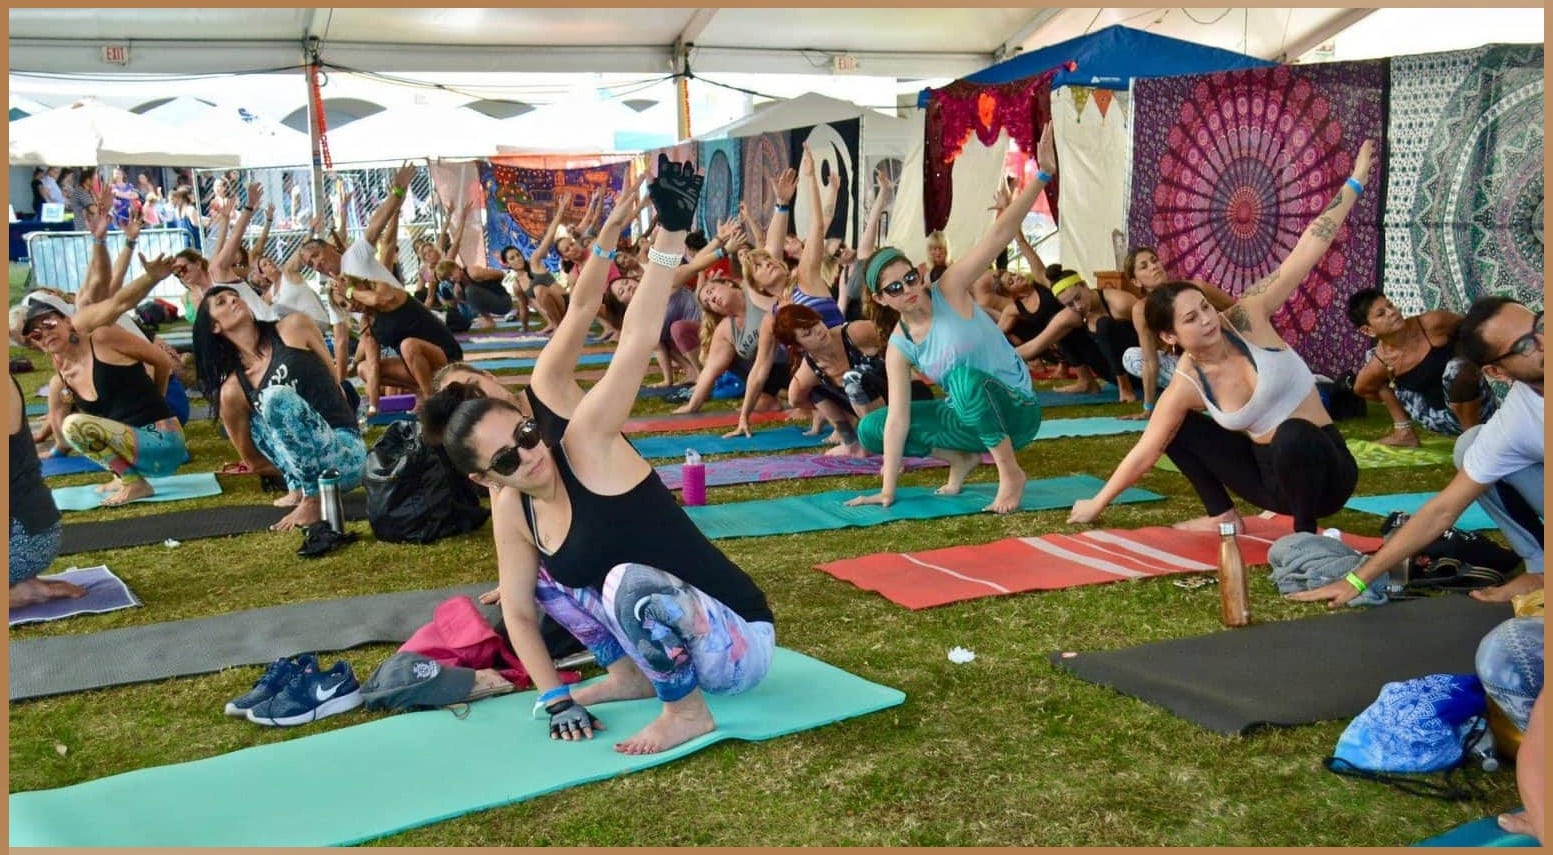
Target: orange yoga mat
x,y
919,580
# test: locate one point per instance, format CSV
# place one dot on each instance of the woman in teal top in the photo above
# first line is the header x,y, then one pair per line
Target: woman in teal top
x,y
990,404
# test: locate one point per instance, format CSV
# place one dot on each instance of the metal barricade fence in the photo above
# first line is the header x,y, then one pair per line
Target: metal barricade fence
x,y
59,259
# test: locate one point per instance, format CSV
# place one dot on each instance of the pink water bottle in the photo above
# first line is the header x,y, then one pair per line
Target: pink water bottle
x,y
693,478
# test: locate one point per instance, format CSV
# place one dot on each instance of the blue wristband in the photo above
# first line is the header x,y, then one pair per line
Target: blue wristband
x,y
599,251
1354,185
1043,176
561,691
784,209
1148,407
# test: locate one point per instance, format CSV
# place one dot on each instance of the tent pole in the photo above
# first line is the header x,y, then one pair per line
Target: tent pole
x,y
682,89
314,138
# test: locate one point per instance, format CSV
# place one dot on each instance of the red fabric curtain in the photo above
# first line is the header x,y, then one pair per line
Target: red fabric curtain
x,y
961,109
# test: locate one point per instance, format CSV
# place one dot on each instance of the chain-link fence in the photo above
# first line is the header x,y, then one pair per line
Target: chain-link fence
x,y
59,259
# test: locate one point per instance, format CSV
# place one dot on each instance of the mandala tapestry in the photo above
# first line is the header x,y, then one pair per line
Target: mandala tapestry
x,y
720,194
1464,192
1230,168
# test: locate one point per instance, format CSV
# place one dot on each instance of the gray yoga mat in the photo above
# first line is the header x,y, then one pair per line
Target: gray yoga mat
x,y
1280,674
195,524
72,663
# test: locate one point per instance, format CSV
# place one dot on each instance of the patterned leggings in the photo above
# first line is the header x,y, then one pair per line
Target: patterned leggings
x,y
292,435
978,413
678,636
1509,662
32,553
131,453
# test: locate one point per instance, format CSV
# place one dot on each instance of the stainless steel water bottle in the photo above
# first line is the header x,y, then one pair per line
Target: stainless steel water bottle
x,y
329,498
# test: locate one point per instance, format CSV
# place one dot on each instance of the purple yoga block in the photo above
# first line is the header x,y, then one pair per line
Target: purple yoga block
x,y
396,403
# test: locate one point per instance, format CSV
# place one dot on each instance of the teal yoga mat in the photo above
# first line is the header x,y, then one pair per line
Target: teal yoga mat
x,y
822,511
169,489
776,439
430,766
1088,426
1475,519
1479,832
528,361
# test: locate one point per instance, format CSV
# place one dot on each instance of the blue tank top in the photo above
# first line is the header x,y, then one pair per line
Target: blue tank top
x,y
975,342
826,307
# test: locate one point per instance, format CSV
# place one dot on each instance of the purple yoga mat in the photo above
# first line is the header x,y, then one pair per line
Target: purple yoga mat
x,y
782,467
105,592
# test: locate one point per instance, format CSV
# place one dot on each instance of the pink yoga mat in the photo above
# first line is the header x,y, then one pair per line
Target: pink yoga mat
x,y
935,577
782,467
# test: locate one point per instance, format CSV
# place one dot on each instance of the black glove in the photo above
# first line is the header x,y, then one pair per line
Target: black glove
x,y
568,716
675,193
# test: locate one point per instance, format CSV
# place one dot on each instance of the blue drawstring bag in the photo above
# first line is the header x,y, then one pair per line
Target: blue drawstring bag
x,y
728,385
1416,727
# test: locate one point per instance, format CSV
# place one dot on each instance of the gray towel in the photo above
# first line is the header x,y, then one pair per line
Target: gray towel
x,y
1303,561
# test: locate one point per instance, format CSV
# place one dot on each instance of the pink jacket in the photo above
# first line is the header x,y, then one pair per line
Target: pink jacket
x,y
458,635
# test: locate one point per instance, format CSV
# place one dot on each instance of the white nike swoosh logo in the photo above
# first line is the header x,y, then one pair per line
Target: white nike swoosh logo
x,y
320,695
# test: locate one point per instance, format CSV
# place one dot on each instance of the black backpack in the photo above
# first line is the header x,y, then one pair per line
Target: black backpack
x,y
413,492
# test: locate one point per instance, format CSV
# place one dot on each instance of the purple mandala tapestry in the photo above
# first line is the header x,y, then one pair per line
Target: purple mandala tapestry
x,y
1229,168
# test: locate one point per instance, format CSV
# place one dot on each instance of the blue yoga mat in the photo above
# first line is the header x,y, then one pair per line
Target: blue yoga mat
x,y
37,409
72,465
1088,426
408,770
390,418
169,489
1479,832
1049,398
1475,518
528,361
823,511
775,439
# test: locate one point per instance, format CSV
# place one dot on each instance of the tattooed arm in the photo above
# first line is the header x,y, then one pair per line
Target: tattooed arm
x,y
1267,296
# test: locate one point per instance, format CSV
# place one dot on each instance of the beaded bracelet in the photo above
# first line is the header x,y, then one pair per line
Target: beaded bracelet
x,y
664,259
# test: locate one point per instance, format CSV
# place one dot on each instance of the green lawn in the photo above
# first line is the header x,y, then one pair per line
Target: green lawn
x,y
1002,751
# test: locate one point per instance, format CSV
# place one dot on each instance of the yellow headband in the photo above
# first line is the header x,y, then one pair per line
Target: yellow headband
x,y
1066,282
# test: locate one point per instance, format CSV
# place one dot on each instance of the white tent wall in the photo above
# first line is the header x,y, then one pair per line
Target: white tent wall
x,y
1094,154
976,174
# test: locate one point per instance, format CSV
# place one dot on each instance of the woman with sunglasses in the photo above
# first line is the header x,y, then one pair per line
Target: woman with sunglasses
x,y
624,568
122,420
1266,435
297,413
938,330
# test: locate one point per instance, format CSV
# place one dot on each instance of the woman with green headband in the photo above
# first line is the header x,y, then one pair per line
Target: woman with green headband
x,y
1105,315
943,334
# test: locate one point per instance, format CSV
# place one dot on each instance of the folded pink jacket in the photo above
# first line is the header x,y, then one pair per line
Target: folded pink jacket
x,y
459,635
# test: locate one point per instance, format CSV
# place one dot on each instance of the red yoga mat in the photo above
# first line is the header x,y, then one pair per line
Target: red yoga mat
x,y
920,580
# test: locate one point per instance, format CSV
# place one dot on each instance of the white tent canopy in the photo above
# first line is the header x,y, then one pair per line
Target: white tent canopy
x,y
881,135
90,132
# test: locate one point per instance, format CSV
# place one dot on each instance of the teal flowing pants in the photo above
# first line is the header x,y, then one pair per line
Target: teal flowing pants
x,y
978,413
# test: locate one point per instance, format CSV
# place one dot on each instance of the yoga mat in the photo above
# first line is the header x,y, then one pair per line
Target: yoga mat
x,y
382,418
528,361
72,663
822,511
774,439
935,577
37,409
699,421
1323,667
186,525
1053,398
1479,832
1473,519
1434,451
74,464
170,489
1088,426
659,391
432,766
105,592
783,467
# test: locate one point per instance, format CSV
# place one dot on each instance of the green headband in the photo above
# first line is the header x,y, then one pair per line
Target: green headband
x,y
878,262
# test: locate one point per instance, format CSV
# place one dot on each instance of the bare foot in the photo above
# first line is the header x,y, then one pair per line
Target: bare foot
x,y
290,500
847,450
961,465
1011,491
138,488
111,487
1403,438
680,722
29,592
1522,584
308,511
622,684
1517,823
1212,523
1078,388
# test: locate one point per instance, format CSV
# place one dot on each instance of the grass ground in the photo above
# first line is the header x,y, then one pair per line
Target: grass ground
x,y
1003,751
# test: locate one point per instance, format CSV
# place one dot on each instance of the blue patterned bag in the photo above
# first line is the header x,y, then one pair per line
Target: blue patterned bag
x,y
1419,726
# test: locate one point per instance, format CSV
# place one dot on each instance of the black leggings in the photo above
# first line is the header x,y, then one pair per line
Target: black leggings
x,y
1101,351
1306,471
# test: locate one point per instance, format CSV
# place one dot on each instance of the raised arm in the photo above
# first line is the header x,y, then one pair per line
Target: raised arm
x,y
264,235
870,239
121,261
603,410
95,287
955,284
1268,296
785,187
810,263
1033,258
457,243
536,259
391,205
106,312
714,251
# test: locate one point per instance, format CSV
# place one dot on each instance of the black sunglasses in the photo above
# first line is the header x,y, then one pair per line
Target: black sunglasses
x,y
507,460
894,289
1526,344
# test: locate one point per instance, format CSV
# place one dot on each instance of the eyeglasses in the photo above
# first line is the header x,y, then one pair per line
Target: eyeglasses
x,y
1526,345
40,327
910,280
507,460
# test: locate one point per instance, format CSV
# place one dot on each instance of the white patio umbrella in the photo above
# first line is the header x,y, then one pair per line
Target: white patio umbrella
x,y
89,131
404,133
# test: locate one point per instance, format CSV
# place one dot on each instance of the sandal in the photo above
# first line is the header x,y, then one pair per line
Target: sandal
x,y
320,539
1450,574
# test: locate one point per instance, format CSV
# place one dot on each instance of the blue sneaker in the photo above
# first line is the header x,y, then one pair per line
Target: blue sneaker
x,y
274,679
310,696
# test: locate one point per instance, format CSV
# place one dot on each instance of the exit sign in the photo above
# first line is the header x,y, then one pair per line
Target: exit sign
x,y
116,54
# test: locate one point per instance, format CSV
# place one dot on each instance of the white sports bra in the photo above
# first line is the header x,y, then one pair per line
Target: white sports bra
x,y
1283,381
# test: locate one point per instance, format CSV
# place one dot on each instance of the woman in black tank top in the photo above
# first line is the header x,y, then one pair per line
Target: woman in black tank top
x,y
423,340
278,377
625,569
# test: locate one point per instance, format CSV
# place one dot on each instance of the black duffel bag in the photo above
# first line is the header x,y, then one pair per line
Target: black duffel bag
x,y
413,492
